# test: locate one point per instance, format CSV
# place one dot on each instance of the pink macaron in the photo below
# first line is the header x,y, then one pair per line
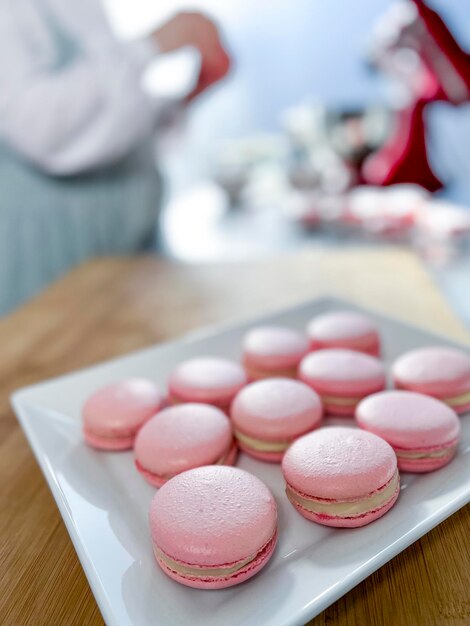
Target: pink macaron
x,y
273,351
443,373
183,437
443,221
268,415
423,431
389,211
342,378
213,527
113,414
343,477
344,329
210,380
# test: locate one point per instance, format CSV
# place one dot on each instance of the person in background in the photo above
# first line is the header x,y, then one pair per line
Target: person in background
x,y
77,170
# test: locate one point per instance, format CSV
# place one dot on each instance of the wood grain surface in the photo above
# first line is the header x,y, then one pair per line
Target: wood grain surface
x,y
111,306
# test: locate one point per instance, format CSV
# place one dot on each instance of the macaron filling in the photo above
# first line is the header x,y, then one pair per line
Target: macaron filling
x,y
463,398
371,342
346,508
222,571
339,400
109,443
124,434
261,445
432,453
258,372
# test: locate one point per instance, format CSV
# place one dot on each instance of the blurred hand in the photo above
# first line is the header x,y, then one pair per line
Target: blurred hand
x,y
194,29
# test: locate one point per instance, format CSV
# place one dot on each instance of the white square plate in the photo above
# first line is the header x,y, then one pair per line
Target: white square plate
x,y
104,501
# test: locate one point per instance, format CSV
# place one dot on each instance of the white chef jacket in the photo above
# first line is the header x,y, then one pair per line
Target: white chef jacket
x,y
89,112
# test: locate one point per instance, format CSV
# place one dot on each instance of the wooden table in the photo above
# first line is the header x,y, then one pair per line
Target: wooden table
x,y
111,306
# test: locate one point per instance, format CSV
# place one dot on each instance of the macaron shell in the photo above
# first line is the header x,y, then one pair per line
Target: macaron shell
x,y
228,581
274,348
342,372
212,516
157,480
207,379
436,371
276,409
121,408
339,463
182,437
408,420
341,325
344,329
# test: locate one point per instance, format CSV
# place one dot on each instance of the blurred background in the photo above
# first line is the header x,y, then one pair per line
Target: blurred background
x,y
270,126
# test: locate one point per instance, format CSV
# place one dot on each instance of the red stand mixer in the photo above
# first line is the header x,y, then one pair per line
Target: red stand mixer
x,y
416,47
